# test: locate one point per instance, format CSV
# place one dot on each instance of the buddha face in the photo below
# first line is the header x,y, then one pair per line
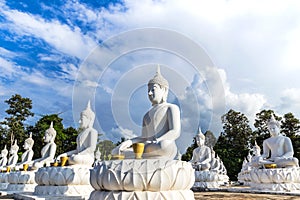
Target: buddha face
x,y
200,141
48,136
84,121
26,145
156,93
274,130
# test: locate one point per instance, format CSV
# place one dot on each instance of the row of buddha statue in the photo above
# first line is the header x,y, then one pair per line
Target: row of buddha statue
x,y
83,154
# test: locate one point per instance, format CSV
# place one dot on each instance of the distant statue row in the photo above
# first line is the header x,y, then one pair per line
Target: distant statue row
x,y
204,158
83,154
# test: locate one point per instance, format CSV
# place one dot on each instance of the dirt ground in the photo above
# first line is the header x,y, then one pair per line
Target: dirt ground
x,y
241,196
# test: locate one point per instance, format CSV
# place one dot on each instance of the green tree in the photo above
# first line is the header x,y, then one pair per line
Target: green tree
x,y
19,110
105,148
187,156
232,144
290,126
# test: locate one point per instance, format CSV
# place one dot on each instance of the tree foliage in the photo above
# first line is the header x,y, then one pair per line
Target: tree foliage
x,y
232,144
19,110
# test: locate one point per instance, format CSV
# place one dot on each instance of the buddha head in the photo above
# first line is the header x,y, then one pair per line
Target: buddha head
x,y
158,88
87,117
14,148
274,126
50,134
4,152
256,149
28,144
200,138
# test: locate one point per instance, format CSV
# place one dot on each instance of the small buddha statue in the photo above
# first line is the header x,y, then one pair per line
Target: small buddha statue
x,y
3,160
277,149
48,151
214,163
201,155
161,124
13,159
28,154
86,140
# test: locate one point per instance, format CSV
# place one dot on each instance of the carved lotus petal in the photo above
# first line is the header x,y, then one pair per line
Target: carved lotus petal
x,y
133,181
265,178
110,181
159,181
24,178
181,181
68,175
45,179
254,176
94,178
59,179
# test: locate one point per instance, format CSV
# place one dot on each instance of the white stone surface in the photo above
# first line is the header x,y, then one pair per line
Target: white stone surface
x,y
65,181
143,175
142,195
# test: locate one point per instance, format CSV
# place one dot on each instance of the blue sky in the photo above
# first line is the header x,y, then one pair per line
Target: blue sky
x,y
216,55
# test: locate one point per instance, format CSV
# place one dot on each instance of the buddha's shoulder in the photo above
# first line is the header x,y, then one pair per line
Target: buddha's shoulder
x,y
172,106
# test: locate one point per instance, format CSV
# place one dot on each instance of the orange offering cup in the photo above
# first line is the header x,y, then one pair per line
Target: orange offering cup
x,y
63,161
138,149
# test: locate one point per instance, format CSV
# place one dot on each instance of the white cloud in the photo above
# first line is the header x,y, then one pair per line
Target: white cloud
x,y
60,36
119,132
7,68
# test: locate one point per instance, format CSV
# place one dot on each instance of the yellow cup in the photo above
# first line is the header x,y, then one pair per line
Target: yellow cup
x,y
138,149
63,161
7,169
25,167
55,164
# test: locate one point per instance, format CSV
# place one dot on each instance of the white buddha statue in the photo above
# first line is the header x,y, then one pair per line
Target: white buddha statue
x,y
48,151
277,149
28,154
3,160
214,163
13,158
201,155
161,124
86,140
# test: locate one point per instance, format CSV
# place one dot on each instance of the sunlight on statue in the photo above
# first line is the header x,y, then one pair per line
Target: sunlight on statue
x,y
161,124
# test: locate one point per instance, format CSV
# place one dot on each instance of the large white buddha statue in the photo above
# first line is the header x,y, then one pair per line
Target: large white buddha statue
x,y
277,149
3,160
48,151
86,140
13,158
201,155
161,124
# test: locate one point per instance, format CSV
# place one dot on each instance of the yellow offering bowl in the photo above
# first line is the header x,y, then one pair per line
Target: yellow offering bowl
x,y
270,166
7,169
55,164
25,167
138,149
118,157
63,161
